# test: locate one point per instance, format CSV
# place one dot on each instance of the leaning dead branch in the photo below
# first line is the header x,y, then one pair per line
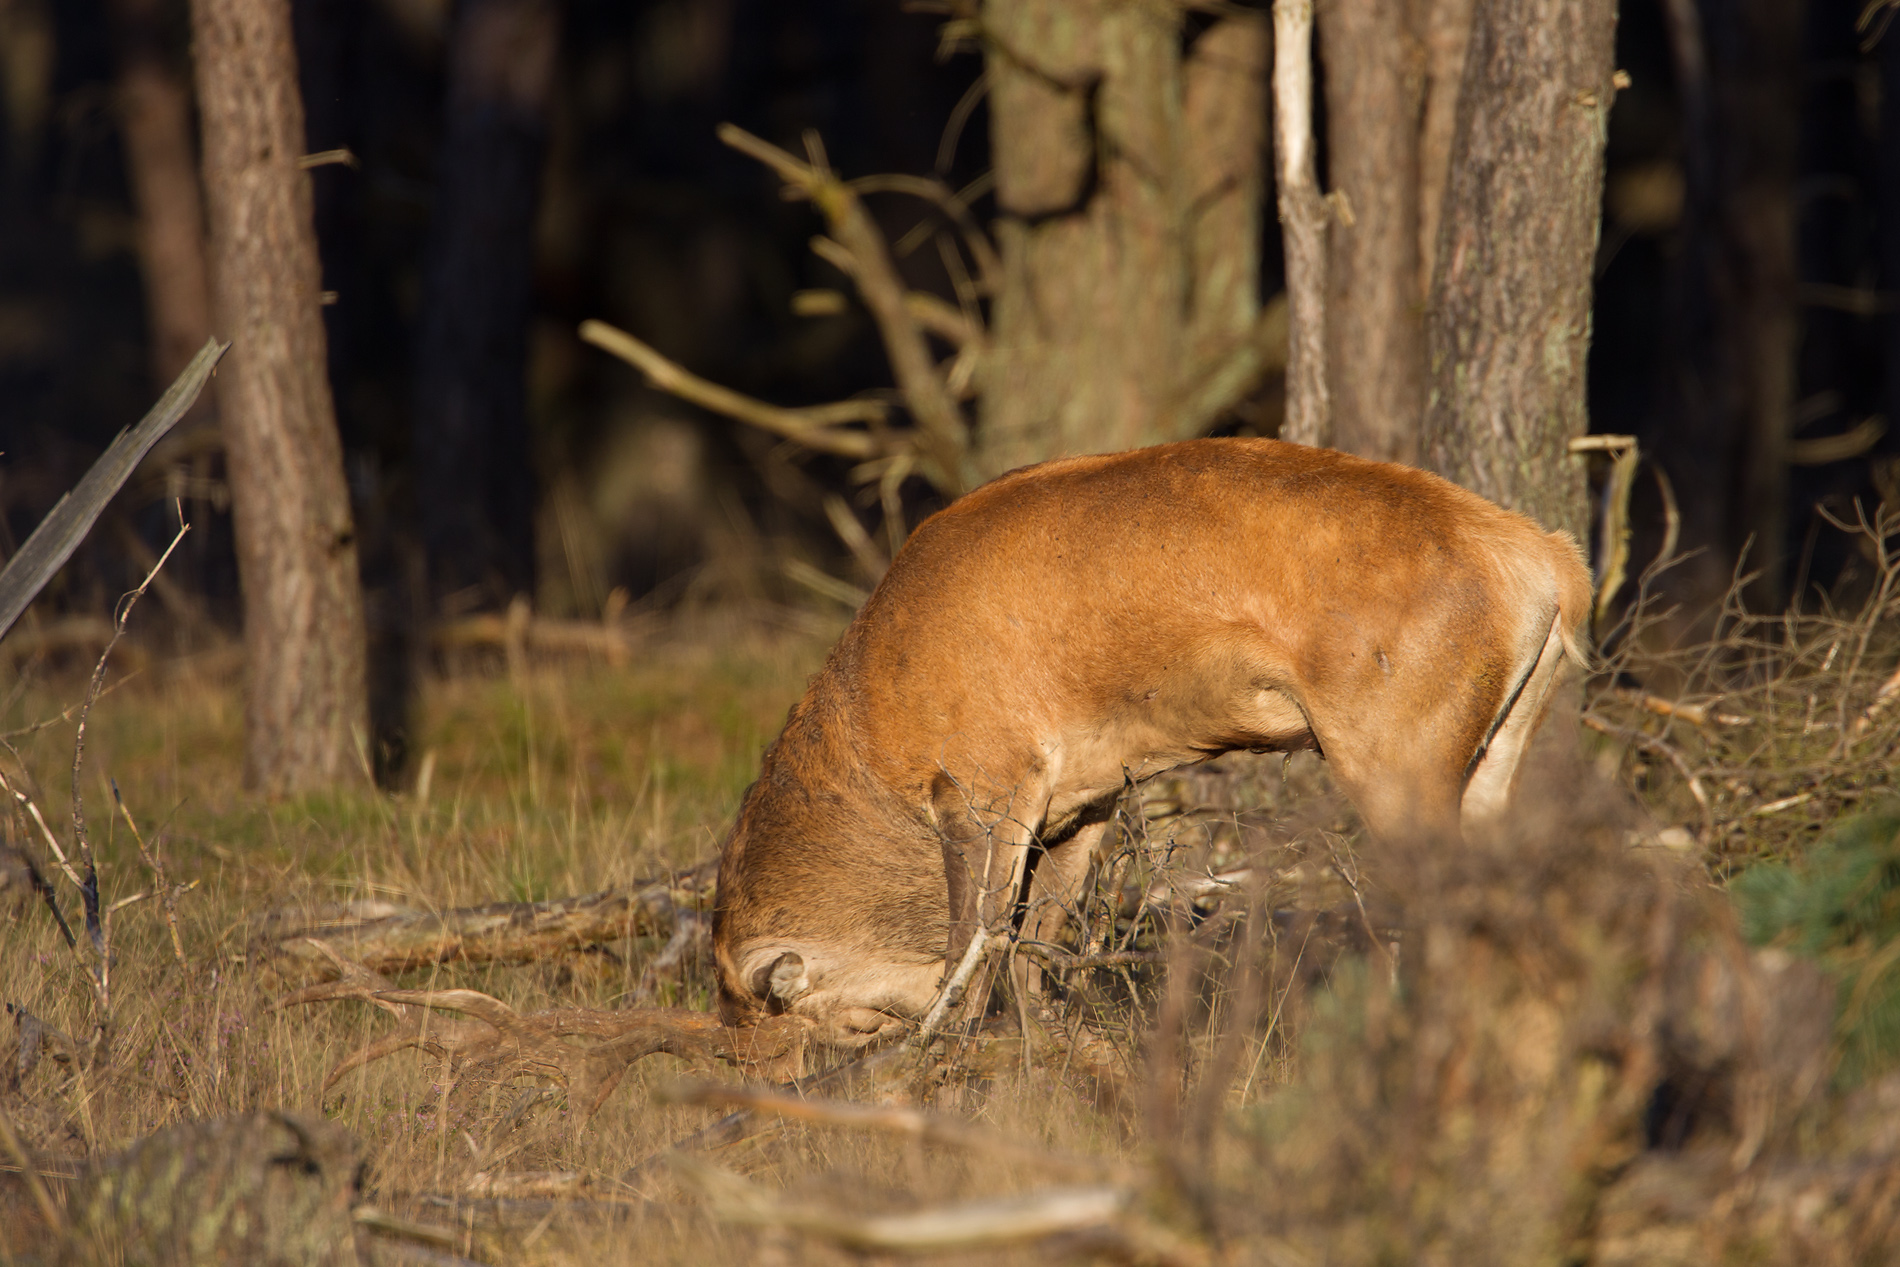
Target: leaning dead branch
x,y
67,524
499,932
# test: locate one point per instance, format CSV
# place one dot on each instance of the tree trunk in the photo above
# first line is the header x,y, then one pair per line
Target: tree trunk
x,y
1127,189
1738,70
303,607
1303,224
1887,192
1509,327
1446,33
1375,319
155,123
475,484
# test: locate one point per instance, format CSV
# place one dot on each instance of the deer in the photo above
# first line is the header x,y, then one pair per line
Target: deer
x,y
1083,624
1036,647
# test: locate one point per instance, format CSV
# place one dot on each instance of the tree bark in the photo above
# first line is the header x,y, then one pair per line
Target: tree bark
x,y
1375,319
303,607
155,123
1128,188
1508,331
1224,124
475,482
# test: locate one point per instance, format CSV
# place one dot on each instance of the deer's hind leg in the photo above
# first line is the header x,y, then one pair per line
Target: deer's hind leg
x,y
1055,886
1494,773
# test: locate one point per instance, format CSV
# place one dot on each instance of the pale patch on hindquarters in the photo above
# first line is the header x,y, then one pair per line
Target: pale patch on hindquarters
x,y
1494,778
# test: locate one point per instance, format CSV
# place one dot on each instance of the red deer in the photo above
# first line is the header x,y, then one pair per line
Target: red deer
x,y
1076,625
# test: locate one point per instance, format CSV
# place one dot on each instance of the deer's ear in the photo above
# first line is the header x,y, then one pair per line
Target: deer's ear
x,y
786,979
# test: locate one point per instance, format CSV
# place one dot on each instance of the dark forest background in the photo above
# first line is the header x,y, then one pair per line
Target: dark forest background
x,y
1747,278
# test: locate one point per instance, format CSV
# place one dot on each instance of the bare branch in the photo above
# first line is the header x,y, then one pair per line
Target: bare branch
x,y
945,438
989,265
942,320
815,427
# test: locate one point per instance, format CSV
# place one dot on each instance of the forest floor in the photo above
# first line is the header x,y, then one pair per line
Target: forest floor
x,y
1555,1047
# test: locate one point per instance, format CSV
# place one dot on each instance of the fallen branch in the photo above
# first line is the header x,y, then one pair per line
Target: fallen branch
x,y
1099,1212
500,932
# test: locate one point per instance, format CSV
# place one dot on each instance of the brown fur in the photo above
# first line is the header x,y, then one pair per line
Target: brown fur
x,y
1078,624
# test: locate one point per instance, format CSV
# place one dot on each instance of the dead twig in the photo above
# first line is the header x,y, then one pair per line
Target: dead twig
x,y
98,928
1656,747
168,893
817,427
989,265
1694,714
1883,700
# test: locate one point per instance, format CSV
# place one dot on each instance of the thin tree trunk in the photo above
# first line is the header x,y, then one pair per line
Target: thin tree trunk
x,y
1887,192
1509,326
1447,32
1375,320
475,483
303,607
1303,216
1738,69
155,122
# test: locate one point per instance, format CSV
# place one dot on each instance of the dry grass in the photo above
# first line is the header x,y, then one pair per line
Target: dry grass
x,y
1285,1103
